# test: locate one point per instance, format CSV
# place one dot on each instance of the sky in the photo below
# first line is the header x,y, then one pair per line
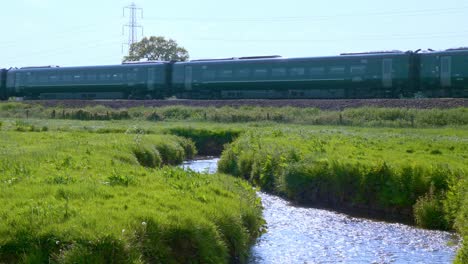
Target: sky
x,y
89,32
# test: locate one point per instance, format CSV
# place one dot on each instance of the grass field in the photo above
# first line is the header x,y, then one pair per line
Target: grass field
x,y
78,197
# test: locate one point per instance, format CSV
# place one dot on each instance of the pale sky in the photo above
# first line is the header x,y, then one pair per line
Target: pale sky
x,y
89,32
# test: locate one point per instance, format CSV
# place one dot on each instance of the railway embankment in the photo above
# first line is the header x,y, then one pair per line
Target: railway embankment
x,y
322,104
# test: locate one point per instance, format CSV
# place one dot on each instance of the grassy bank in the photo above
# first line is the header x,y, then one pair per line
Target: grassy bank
x,y
209,142
74,197
419,175
366,116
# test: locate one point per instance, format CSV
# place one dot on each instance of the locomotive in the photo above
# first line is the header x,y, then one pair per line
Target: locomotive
x,y
392,74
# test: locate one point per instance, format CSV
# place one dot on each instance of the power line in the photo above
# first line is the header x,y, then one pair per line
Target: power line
x,y
315,18
133,23
65,34
50,52
364,37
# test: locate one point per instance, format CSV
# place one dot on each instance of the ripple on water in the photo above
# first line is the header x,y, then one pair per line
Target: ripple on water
x,y
307,235
205,166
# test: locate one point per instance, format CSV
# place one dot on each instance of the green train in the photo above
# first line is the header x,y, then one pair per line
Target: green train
x,y
353,76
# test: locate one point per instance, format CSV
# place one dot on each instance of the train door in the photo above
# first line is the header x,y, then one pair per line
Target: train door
x,y
151,79
387,73
18,84
446,71
188,77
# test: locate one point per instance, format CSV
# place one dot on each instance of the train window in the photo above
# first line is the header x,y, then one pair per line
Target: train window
x,y
297,71
131,76
29,77
77,77
67,77
358,69
53,78
337,70
278,72
260,73
317,71
104,76
44,77
243,73
117,76
225,73
208,75
92,77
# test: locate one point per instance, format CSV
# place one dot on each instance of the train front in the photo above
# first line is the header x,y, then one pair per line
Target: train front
x,y
3,91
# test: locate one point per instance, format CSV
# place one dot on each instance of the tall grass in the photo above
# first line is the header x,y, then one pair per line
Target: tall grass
x,y
364,116
74,197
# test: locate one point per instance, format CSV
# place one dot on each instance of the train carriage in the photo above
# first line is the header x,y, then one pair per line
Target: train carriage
x,y
128,81
385,75
444,73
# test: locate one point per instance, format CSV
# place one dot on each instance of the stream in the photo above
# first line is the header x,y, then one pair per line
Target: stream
x,y
308,235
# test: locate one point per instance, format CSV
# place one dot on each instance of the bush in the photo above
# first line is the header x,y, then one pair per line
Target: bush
x,y
429,213
171,153
147,156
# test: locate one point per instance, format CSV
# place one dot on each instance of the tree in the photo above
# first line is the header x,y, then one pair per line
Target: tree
x,y
156,48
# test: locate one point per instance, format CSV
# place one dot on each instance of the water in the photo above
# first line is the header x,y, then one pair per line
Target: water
x,y
202,165
307,235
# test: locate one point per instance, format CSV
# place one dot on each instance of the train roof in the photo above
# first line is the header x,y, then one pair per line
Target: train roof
x,y
124,65
463,50
279,58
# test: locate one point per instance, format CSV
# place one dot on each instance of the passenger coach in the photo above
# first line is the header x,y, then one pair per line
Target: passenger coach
x,y
376,75
444,73
127,81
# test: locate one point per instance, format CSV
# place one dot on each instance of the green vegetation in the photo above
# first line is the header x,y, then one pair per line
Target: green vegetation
x,y
83,165
156,49
369,117
390,173
208,141
74,197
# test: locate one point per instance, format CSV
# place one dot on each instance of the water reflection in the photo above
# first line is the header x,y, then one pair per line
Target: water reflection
x,y
307,235
202,165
